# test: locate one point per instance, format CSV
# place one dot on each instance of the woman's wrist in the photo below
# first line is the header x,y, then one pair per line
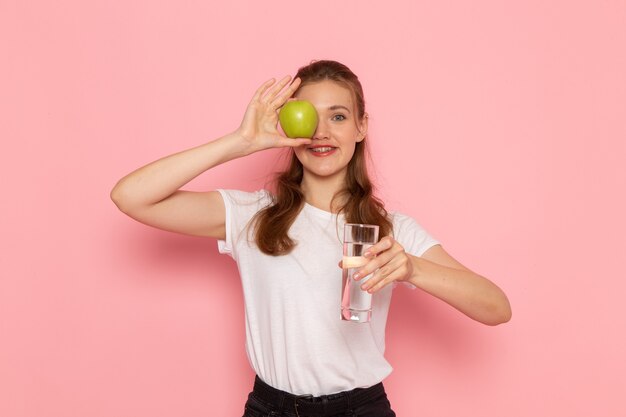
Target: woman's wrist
x,y
416,276
236,145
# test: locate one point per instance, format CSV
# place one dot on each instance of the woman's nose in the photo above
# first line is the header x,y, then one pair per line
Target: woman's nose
x,y
321,132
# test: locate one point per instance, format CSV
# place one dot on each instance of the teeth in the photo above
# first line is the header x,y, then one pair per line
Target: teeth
x,y
325,149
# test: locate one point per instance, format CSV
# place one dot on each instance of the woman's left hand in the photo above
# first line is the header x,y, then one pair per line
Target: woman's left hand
x,y
388,262
438,274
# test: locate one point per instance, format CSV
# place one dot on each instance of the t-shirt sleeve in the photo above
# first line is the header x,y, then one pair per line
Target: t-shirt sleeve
x,y
240,207
413,237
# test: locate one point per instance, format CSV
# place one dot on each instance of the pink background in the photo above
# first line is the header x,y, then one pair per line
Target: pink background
x,y
500,126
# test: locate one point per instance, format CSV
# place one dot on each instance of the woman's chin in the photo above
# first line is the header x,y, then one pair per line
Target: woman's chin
x,y
324,172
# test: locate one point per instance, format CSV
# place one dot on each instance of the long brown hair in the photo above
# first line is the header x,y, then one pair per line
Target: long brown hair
x,y
272,224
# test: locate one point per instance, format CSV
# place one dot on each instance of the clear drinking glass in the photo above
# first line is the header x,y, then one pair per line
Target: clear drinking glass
x,y
356,304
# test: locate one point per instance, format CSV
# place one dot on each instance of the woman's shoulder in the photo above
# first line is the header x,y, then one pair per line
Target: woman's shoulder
x,y
399,218
404,224
406,230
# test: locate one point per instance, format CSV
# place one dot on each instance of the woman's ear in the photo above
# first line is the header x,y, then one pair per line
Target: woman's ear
x,y
362,128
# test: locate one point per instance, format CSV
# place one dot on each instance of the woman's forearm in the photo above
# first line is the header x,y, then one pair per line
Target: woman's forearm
x,y
159,179
468,292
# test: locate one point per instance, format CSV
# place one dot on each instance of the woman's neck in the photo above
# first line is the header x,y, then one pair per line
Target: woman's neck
x,y
319,191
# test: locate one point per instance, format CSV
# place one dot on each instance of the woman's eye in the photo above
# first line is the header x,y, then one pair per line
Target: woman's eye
x,y
339,117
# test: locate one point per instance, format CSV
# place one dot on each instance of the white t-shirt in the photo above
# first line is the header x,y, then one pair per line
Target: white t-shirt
x,y
295,339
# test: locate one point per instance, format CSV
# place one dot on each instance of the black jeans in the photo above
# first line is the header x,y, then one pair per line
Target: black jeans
x,y
266,401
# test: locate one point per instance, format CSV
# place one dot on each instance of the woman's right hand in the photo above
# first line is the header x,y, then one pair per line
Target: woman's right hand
x,y
259,126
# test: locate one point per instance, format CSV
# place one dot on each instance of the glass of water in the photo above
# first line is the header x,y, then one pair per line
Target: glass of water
x,y
356,304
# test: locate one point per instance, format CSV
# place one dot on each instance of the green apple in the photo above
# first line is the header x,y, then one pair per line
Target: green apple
x,y
298,119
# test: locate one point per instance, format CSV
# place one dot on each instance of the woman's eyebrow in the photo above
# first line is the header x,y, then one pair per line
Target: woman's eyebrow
x,y
339,106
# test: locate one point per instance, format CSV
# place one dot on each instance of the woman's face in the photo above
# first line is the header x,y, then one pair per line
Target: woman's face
x,y
338,129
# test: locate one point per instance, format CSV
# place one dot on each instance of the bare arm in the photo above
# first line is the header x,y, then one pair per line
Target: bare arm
x,y
438,274
442,276
152,194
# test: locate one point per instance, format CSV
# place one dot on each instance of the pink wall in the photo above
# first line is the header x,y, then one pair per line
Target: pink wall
x,y
499,125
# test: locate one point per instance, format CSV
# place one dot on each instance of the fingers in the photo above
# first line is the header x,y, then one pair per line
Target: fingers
x,y
293,143
273,91
371,267
270,88
380,254
285,95
262,89
377,282
385,243
390,264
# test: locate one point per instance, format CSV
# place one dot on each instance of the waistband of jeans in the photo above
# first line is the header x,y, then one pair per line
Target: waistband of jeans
x,y
324,404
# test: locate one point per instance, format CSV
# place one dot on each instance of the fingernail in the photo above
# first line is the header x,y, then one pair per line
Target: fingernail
x,y
356,276
367,254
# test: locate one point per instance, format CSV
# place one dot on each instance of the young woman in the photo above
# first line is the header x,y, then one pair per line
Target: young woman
x,y
287,244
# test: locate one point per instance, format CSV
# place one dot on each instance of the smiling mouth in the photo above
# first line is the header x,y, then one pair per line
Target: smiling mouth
x,y
322,149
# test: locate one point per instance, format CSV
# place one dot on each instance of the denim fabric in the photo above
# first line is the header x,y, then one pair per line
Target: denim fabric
x,y
376,407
